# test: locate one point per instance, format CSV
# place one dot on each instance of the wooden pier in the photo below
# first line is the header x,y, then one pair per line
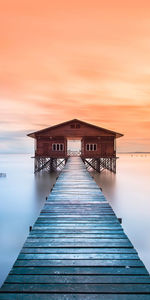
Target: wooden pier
x,y
77,248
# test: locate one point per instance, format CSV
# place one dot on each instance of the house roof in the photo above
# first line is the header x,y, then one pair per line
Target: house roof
x,y
35,133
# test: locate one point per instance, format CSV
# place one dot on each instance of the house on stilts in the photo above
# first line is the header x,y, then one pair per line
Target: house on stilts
x,y
97,145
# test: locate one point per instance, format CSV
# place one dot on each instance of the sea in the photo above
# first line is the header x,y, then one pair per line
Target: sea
x,y
23,193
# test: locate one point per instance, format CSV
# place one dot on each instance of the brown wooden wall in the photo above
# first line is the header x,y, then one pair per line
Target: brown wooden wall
x,y
68,131
44,147
88,134
105,147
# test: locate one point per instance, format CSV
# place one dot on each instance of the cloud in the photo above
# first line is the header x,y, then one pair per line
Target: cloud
x,y
62,59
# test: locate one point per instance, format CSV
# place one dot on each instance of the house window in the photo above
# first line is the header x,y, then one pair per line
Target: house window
x,y
75,125
91,147
57,147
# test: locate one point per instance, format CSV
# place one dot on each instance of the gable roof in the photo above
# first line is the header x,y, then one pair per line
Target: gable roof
x,y
33,134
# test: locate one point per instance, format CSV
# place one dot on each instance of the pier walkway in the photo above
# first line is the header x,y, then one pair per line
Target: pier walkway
x,y
77,248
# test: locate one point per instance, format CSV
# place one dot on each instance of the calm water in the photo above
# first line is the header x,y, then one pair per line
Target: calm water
x,y
128,192
22,195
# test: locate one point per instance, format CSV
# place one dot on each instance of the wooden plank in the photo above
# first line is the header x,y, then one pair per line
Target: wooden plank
x,y
71,296
79,288
101,227
77,279
76,220
79,226
79,235
77,262
74,231
86,222
79,250
80,270
73,243
95,242
66,222
82,256
76,228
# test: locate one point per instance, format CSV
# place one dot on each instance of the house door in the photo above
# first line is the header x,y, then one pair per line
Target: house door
x,y
73,147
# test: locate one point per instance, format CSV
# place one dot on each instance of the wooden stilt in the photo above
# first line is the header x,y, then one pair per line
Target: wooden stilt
x,y
99,164
49,164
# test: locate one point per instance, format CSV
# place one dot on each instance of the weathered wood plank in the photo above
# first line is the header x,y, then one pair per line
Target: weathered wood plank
x,y
71,296
76,279
77,244
79,226
74,231
79,288
79,235
80,250
77,262
78,256
80,270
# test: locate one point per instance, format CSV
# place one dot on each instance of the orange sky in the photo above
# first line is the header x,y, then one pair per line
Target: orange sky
x,y
74,59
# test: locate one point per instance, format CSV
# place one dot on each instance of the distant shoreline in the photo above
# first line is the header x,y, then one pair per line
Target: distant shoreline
x,y
137,152
130,152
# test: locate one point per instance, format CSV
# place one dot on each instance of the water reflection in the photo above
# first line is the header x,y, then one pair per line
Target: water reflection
x,y
128,192
106,180
22,195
